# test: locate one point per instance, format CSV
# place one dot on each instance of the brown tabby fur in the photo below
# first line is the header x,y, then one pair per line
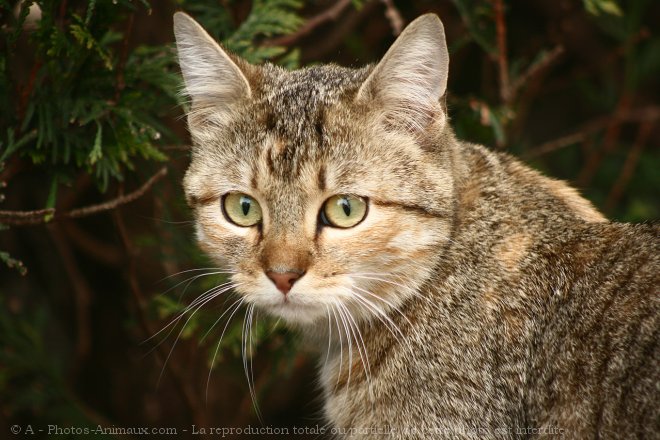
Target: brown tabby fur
x,y
502,304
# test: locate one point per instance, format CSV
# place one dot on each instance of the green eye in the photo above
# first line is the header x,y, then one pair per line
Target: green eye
x,y
343,211
241,209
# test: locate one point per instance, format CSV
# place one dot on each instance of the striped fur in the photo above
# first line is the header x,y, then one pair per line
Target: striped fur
x,y
478,298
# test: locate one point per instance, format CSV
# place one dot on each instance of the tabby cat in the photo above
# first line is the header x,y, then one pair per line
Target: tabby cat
x,y
452,291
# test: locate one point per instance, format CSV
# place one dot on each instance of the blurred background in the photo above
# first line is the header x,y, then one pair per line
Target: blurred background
x,y
98,265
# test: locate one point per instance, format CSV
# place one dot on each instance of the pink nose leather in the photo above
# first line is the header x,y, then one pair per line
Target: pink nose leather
x,y
283,280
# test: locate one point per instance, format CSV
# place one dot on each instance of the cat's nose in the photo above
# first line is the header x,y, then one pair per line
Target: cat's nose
x,y
284,280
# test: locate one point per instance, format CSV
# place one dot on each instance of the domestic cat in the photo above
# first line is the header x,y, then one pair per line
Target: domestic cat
x,y
452,291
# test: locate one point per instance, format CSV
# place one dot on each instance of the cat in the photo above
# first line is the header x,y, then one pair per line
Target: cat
x,y
451,291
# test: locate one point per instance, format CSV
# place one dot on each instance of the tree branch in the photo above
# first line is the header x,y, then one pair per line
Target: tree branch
x,y
121,200
120,82
394,17
609,144
536,68
19,218
24,217
502,60
644,114
330,14
643,134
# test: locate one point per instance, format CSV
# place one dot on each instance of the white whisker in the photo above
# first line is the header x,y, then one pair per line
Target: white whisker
x,y
197,308
341,346
213,292
327,355
366,277
245,346
348,342
362,351
218,320
225,270
217,347
395,308
389,324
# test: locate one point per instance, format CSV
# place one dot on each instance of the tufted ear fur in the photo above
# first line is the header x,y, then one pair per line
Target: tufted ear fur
x,y
212,79
411,78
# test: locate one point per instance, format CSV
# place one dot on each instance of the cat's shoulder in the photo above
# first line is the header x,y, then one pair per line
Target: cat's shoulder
x,y
523,186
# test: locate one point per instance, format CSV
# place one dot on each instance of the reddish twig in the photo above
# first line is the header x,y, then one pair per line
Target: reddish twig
x,y
535,69
330,14
13,166
502,60
18,218
645,130
25,95
337,34
612,132
582,71
526,87
394,17
565,141
120,83
62,11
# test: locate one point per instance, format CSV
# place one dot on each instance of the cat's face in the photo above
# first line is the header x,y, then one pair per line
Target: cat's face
x,y
313,187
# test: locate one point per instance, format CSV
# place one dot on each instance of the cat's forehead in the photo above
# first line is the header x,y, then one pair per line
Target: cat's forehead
x,y
293,98
310,86
293,114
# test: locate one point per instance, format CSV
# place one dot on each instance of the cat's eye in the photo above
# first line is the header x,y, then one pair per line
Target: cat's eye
x,y
241,209
343,211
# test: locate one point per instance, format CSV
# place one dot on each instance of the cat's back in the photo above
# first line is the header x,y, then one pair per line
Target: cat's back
x,y
594,356
570,301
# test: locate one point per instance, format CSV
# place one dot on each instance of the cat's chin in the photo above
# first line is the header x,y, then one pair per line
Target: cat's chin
x,y
296,314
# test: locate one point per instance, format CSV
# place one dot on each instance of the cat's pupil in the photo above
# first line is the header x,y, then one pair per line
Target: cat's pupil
x,y
346,207
245,205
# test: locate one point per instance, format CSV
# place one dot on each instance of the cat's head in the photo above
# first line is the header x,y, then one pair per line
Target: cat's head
x,y
324,188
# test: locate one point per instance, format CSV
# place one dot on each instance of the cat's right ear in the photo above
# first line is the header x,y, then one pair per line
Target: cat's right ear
x,y
213,81
409,82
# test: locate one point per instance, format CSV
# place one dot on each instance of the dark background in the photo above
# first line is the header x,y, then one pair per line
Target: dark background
x,y
569,86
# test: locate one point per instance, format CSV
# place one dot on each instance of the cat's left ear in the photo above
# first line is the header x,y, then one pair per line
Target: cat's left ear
x,y
410,80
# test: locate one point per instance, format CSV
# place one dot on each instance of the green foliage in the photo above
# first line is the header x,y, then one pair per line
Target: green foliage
x,y
81,99
87,104
13,263
478,18
597,7
91,105
267,19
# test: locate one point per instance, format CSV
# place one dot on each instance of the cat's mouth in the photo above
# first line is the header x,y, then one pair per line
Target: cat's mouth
x,y
301,305
305,303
